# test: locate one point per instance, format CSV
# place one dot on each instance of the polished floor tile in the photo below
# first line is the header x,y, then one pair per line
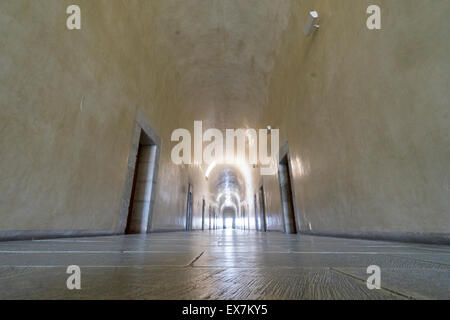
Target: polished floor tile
x,y
225,264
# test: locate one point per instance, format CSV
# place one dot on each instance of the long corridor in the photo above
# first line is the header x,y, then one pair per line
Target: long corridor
x,y
222,264
218,150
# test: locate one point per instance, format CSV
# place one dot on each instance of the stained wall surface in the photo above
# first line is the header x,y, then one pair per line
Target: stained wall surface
x,y
68,108
366,115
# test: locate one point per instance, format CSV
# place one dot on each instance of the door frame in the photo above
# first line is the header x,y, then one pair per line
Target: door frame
x,y
285,153
141,125
255,200
189,207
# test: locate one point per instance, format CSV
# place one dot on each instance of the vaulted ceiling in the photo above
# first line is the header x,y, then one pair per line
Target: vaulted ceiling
x,y
224,52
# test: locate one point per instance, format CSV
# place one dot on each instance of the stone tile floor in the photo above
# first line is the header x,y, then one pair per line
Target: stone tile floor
x,y
224,264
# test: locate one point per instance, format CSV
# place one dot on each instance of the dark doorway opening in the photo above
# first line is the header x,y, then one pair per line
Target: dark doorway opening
x,y
287,195
189,209
141,203
256,213
209,217
203,214
262,208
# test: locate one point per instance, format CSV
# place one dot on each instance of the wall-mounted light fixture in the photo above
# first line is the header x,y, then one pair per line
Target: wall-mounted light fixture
x,y
311,24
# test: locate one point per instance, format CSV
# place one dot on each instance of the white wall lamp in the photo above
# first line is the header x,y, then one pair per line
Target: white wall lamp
x,y
311,25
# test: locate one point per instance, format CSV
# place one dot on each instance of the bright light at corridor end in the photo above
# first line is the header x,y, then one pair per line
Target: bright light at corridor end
x,y
229,223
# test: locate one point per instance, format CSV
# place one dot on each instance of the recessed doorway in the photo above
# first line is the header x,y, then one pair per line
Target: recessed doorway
x,y
287,195
203,214
262,209
142,188
256,213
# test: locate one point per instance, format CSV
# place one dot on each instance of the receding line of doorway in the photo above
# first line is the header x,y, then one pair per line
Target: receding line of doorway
x,y
136,213
287,191
255,200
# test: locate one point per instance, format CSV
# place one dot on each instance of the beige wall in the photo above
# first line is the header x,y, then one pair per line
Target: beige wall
x,y
68,108
367,116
